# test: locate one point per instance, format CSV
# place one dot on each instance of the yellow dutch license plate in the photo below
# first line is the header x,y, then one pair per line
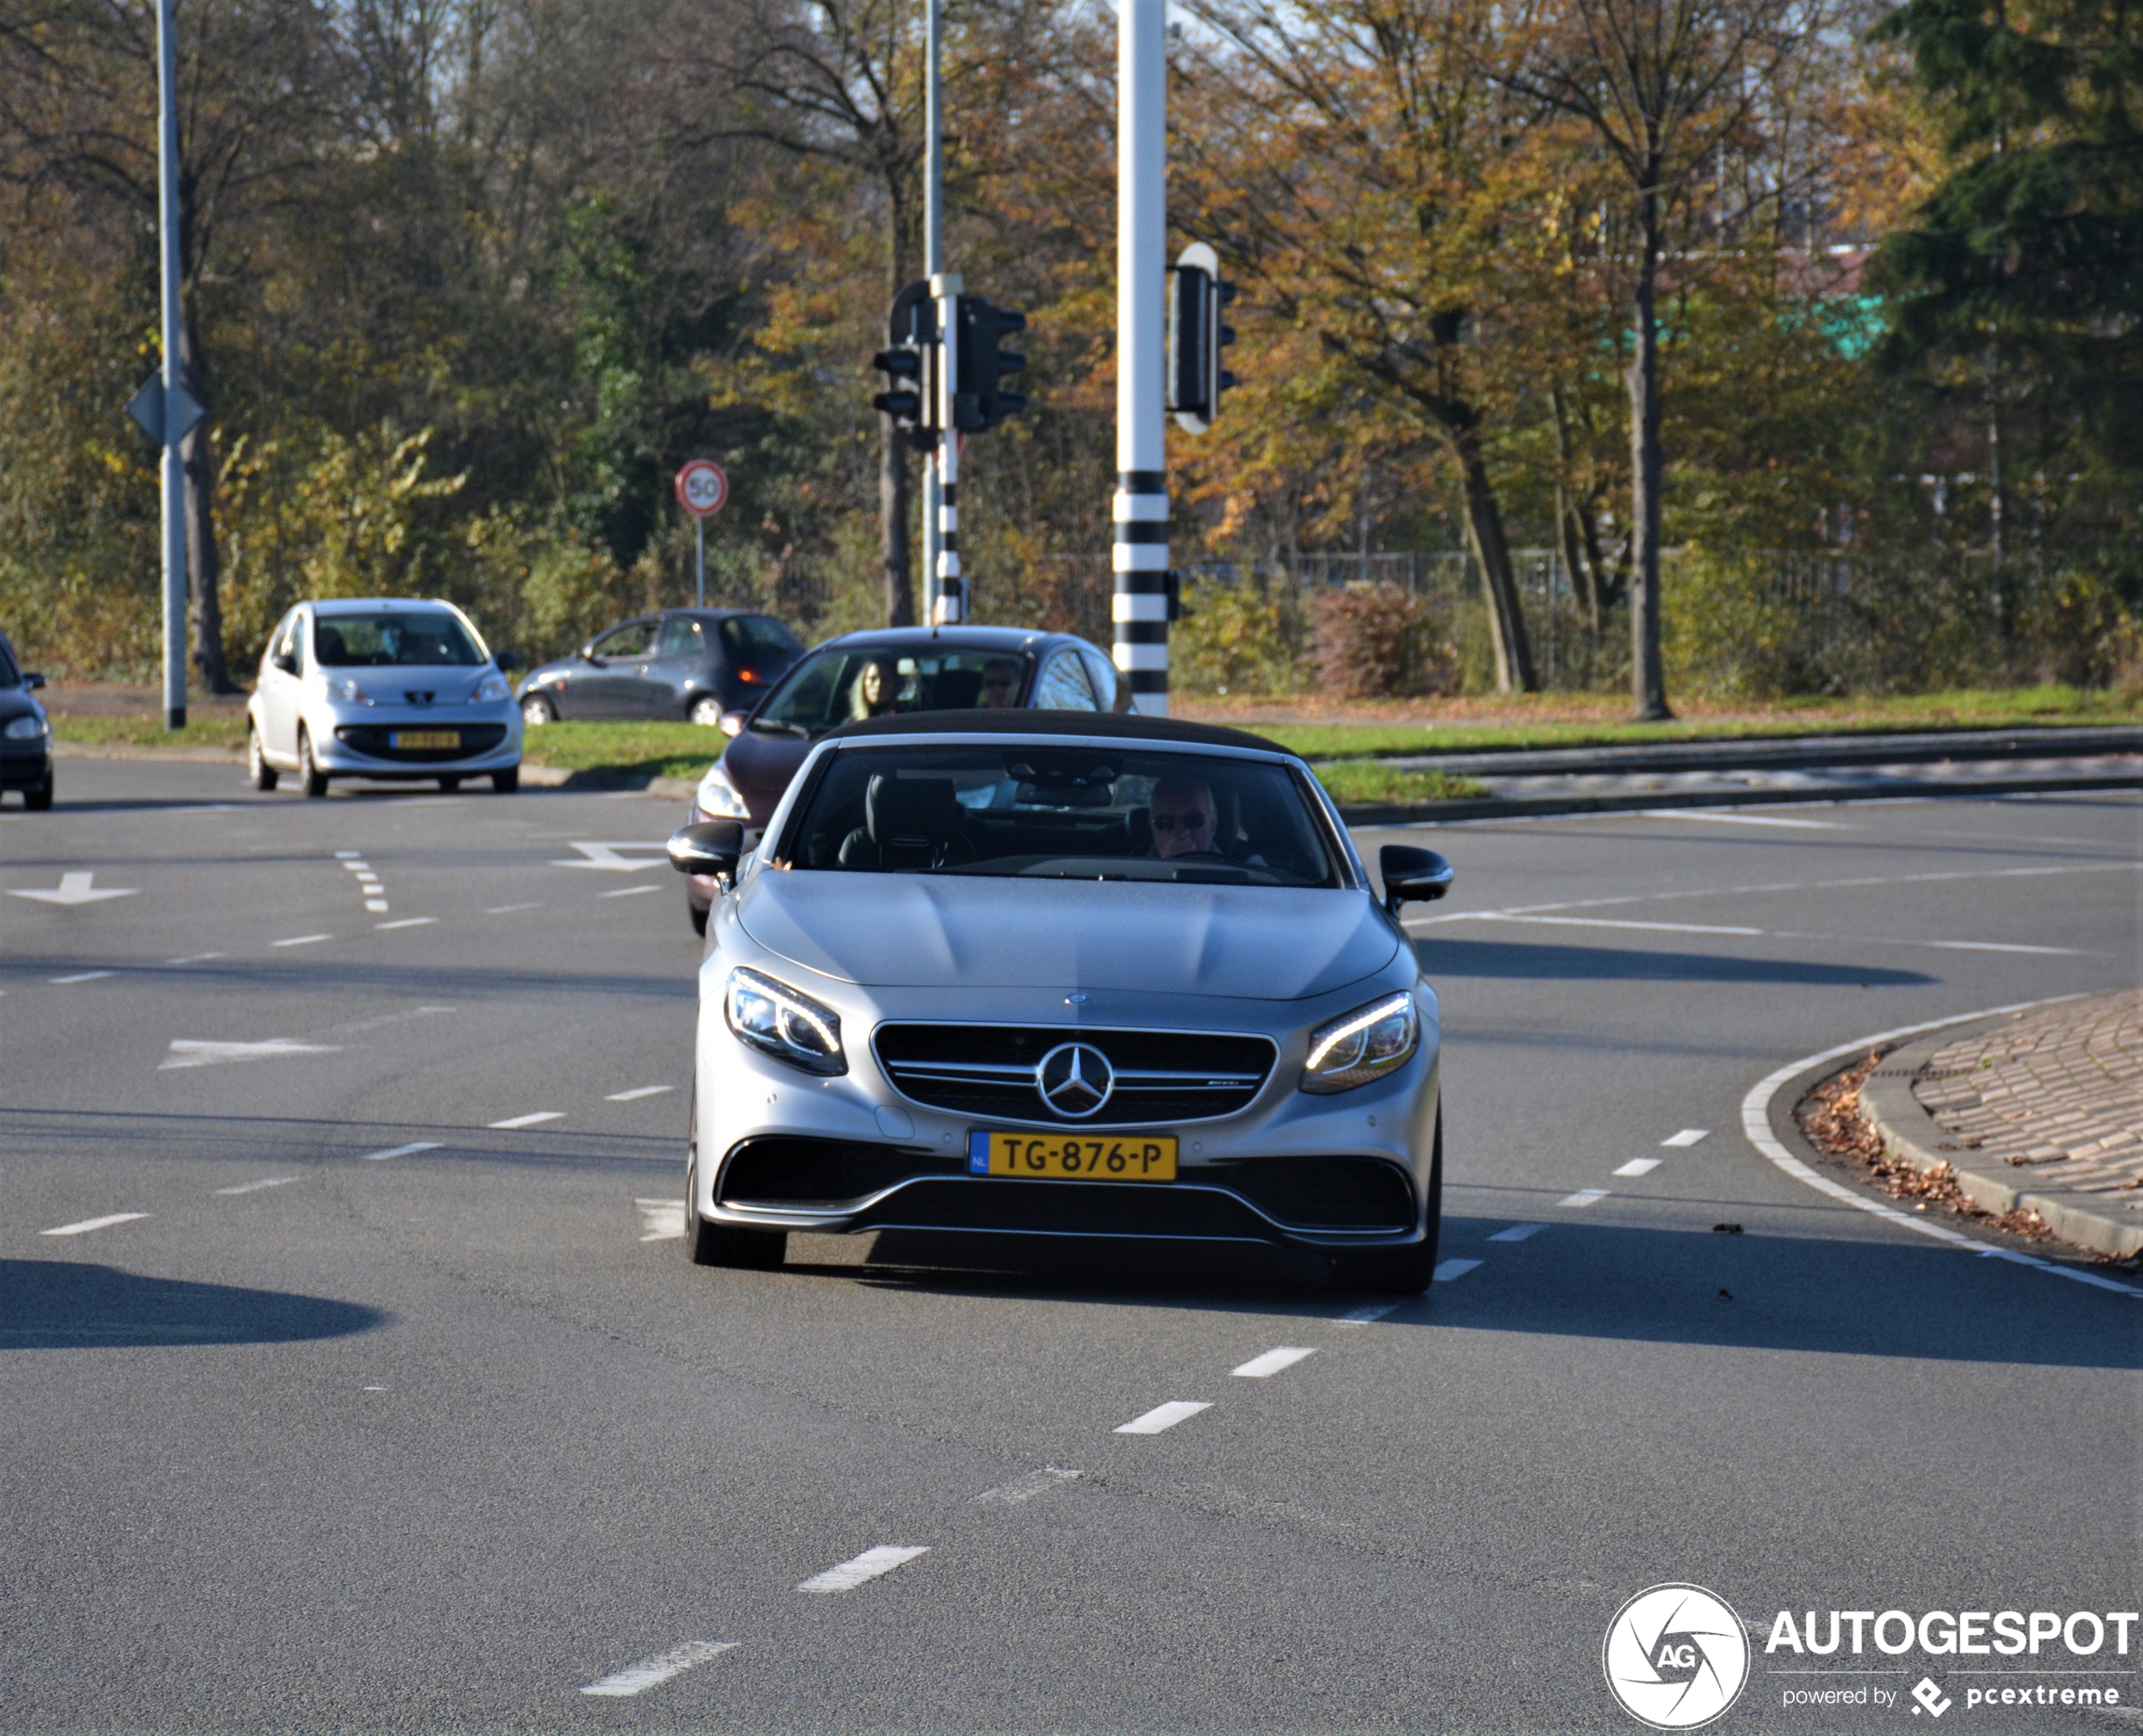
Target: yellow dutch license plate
x,y
427,738
1073,1157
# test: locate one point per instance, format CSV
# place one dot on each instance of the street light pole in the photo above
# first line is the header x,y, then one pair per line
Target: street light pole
x,y
173,469
1140,604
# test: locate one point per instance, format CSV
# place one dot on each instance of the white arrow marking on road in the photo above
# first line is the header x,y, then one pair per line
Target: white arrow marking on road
x,y
89,1224
661,1220
869,1565
75,888
605,856
186,1053
653,1671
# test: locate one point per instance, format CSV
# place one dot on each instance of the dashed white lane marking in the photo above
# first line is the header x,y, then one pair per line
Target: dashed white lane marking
x,y
869,1565
1367,1315
1446,1270
2000,946
1583,1196
89,1224
401,1151
406,922
1518,1232
1026,1488
1746,819
187,1052
87,976
629,892
197,958
1669,928
508,909
514,1121
653,1671
605,857
661,1220
206,808
1272,1362
1163,1416
1636,1166
1756,1128
273,1181
349,855
1687,1136
374,907
643,1090
301,941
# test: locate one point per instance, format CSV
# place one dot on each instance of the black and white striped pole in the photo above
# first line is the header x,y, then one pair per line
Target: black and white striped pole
x,y
1140,604
948,594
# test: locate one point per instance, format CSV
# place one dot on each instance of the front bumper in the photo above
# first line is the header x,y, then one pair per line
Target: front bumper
x,y
358,742
778,1149
25,765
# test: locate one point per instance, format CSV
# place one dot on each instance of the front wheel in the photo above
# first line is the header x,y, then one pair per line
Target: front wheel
x,y
450,785
699,918
1400,1271
536,711
38,798
506,782
258,772
707,1244
315,780
706,710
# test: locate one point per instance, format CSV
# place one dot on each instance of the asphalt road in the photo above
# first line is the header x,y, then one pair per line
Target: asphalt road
x,y
349,1403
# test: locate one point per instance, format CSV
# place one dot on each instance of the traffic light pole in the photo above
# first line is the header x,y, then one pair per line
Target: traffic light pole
x,y
173,469
933,268
1140,604
949,603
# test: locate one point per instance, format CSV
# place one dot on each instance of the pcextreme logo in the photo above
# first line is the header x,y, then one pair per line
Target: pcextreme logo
x,y
1675,1656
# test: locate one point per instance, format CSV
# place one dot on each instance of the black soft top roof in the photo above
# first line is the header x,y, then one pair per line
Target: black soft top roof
x,y
1106,725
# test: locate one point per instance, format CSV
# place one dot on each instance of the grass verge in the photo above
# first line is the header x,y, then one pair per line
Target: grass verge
x,y
651,750
1368,783
210,731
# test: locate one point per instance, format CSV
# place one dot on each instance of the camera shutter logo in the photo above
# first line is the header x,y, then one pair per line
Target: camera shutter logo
x,y
1675,1656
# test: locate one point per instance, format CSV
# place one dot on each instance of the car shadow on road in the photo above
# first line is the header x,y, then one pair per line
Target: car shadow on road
x,y
69,1305
1532,960
1602,1281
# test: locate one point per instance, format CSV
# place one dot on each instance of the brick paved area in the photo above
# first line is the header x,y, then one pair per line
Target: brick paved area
x,y
2058,1092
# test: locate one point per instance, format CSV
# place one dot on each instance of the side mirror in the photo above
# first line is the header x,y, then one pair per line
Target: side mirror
x,y
36,678
287,663
732,722
508,662
1411,874
711,847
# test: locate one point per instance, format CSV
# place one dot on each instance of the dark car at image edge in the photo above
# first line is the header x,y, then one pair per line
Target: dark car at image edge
x,y
26,733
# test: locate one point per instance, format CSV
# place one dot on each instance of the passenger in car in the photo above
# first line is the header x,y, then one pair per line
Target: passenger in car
x,y
877,683
999,684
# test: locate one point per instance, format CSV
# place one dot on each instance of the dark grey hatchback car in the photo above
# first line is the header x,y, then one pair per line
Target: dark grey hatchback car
x,y
691,663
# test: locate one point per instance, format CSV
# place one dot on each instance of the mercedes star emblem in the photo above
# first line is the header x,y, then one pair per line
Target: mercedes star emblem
x,y
1075,1079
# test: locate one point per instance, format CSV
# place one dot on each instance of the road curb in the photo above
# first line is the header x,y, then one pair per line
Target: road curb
x,y
1518,807
127,750
1909,1134
607,778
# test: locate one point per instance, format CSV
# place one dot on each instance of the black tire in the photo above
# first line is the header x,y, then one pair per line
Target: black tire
x,y
506,782
450,785
1400,1271
38,799
707,1244
258,772
699,918
536,711
315,780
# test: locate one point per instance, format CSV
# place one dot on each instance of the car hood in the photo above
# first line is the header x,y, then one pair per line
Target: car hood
x,y
1257,943
16,702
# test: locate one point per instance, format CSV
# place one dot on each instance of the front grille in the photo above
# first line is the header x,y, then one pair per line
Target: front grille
x,y
988,1071
372,740
1323,1193
781,1171
1070,1209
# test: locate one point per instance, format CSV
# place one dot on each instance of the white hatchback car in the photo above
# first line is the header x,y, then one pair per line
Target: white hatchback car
x,y
395,688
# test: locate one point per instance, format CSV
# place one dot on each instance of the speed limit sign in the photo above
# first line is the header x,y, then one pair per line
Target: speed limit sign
x,y
702,488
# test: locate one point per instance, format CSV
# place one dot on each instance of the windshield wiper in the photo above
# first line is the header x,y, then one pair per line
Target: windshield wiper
x,y
769,726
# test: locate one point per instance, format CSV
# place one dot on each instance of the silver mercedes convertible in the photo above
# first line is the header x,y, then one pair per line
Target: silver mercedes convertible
x,y
1076,976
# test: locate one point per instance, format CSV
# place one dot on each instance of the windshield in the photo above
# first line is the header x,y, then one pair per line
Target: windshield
x,y
839,684
1067,813
758,643
395,639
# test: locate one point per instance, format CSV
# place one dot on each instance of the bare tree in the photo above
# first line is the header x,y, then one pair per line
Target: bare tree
x,y
1663,84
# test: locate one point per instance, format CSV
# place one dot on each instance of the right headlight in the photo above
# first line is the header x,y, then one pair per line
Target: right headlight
x,y
1365,1045
777,1020
28,727
718,798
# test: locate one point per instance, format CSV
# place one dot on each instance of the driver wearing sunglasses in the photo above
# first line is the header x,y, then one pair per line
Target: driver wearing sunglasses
x,y
1183,817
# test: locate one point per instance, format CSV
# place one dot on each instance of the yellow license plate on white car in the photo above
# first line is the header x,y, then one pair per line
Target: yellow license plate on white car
x,y
1073,1157
425,738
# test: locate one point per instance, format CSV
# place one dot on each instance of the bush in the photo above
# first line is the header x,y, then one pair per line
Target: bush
x,y
1238,639
1378,641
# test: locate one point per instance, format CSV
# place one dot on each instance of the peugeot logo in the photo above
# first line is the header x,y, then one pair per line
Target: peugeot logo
x,y
1075,1079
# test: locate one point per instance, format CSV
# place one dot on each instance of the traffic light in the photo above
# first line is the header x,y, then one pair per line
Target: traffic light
x,y
1197,334
910,399
982,400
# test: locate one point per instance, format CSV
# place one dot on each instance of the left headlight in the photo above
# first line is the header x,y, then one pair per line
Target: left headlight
x,y
342,688
1366,1044
777,1020
719,799
28,727
491,689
